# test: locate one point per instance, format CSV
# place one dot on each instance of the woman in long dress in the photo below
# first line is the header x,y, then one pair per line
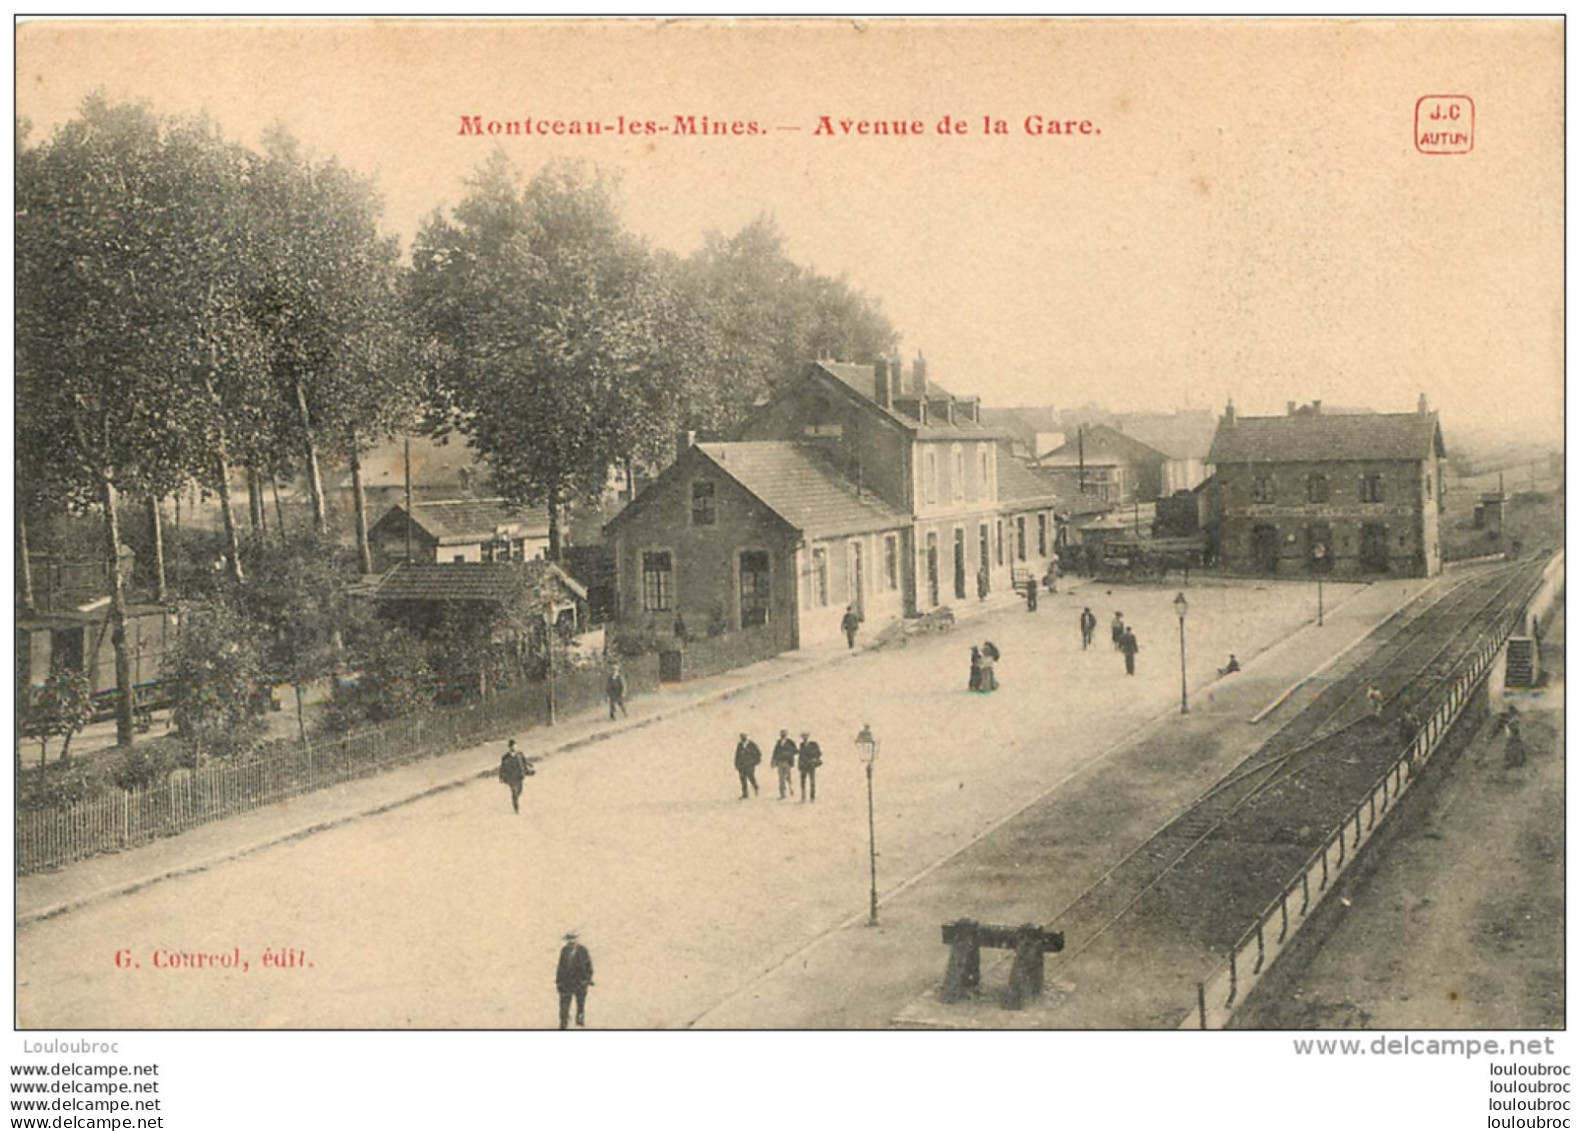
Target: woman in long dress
x,y
976,668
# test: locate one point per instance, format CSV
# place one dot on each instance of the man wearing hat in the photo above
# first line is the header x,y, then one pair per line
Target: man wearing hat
x,y
574,975
811,759
783,761
747,757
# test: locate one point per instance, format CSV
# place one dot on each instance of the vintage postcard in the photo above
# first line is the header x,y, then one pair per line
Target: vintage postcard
x,y
793,525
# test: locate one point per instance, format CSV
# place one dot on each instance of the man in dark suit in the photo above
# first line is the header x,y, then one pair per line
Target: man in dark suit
x,y
811,759
747,757
574,975
514,769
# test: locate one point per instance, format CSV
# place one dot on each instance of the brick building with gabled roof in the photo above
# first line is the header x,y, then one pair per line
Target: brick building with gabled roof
x,y
850,487
1311,492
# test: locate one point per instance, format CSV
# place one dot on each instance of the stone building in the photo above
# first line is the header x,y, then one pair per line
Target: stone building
x,y
850,488
1352,496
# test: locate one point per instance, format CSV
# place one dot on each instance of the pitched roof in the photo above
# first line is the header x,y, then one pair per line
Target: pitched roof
x,y
1181,435
799,485
1017,483
1102,444
477,520
497,582
1309,437
862,380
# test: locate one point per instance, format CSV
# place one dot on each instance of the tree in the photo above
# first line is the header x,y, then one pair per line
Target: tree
x,y
325,289
763,317
62,706
217,673
124,259
542,313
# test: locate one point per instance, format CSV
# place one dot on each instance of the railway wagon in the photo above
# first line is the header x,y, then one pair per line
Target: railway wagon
x,y
1127,559
81,639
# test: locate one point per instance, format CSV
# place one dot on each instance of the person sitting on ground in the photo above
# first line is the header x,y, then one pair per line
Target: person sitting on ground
x,y
1231,667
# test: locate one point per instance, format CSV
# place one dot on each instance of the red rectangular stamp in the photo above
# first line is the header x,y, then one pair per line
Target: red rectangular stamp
x,y
1445,124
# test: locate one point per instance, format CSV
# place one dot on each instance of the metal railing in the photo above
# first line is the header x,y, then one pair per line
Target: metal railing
x,y
1225,989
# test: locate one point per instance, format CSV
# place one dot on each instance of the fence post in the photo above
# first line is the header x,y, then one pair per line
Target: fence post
x,y
1283,914
1344,835
1371,817
1260,953
1201,1002
1324,884
1357,828
1234,977
1305,890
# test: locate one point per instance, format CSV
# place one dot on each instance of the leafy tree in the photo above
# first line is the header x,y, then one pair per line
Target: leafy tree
x,y
764,317
217,671
123,254
62,707
542,314
325,289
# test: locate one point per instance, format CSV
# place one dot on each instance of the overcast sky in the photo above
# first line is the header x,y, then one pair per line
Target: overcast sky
x,y
1249,216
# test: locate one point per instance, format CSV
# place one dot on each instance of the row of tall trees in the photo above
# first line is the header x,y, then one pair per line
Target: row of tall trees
x,y
191,310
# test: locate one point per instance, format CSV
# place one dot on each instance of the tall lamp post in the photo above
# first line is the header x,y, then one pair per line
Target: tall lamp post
x,y
1180,605
1319,554
867,751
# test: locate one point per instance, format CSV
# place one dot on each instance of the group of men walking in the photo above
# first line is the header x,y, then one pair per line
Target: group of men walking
x,y
787,756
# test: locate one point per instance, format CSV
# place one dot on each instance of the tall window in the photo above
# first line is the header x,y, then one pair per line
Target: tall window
x,y
1262,489
1020,537
1372,487
891,561
998,542
984,488
754,588
702,506
658,582
820,577
930,474
1316,488
957,487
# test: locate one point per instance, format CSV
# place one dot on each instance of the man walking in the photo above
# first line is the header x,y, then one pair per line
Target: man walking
x,y
748,755
783,761
848,624
574,976
514,770
811,759
1128,645
1088,627
1117,630
616,691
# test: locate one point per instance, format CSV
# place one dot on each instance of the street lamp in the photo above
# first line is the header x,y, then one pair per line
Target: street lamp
x,y
1180,605
1319,553
867,751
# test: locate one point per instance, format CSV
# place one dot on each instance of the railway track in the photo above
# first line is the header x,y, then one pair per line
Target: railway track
x,y
1293,789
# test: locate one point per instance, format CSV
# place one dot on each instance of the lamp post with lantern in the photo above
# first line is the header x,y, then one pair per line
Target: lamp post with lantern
x,y
1319,554
867,751
1180,605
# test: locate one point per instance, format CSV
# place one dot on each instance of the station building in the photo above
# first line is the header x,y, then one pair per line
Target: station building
x,y
850,488
1351,496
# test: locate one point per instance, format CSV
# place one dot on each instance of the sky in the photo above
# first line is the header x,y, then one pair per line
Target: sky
x,y
1247,212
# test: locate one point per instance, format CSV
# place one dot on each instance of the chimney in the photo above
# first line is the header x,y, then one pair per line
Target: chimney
x,y
919,376
1420,405
881,380
1291,406
1228,413
684,439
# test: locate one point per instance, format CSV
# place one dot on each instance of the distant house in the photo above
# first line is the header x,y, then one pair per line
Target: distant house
x,y
1184,438
1030,430
1311,492
1116,467
419,594
460,530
